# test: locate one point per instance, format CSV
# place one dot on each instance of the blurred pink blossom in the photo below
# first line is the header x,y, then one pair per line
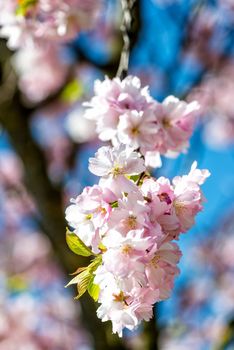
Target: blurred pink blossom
x,y
214,95
29,23
41,71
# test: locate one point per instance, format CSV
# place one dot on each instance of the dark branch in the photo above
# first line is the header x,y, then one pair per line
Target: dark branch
x,y
15,120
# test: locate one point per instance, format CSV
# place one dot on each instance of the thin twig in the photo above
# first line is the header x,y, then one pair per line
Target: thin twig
x,y
126,29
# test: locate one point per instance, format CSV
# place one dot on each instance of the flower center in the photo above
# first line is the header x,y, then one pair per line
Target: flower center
x,y
119,297
131,222
88,216
164,197
135,131
117,170
126,249
166,122
155,261
102,210
179,206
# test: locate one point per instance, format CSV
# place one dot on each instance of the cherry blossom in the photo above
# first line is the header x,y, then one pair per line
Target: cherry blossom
x,y
114,165
129,215
214,95
41,71
89,212
116,161
162,269
125,113
131,231
136,129
188,196
130,219
26,23
114,98
177,118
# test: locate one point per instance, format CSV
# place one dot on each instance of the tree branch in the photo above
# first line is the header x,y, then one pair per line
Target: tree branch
x,y
15,119
126,29
151,333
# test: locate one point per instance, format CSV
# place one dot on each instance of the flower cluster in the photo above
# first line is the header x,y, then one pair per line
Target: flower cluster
x,y
39,29
128,222
26,22
126,113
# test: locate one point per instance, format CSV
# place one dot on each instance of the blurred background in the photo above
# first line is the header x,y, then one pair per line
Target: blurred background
x,y
179,47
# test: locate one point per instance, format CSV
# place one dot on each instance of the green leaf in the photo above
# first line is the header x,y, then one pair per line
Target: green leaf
x,y
83,283
134,178
73,91
93,290
79,270
82,280
92,267
76,245
95,263
114,204
24,6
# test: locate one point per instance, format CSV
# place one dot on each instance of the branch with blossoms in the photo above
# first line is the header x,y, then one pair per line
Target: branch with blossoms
x,y
128,222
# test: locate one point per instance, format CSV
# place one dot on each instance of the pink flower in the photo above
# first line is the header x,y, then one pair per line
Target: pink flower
x,y
41,71
162,269
88,214
114,164
113,307
114,98
143,303
26,23
124,259
177,119
120,314
126,113
170,224
131,282
188,196
136,128
125,310
131,214
175,206
160,196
